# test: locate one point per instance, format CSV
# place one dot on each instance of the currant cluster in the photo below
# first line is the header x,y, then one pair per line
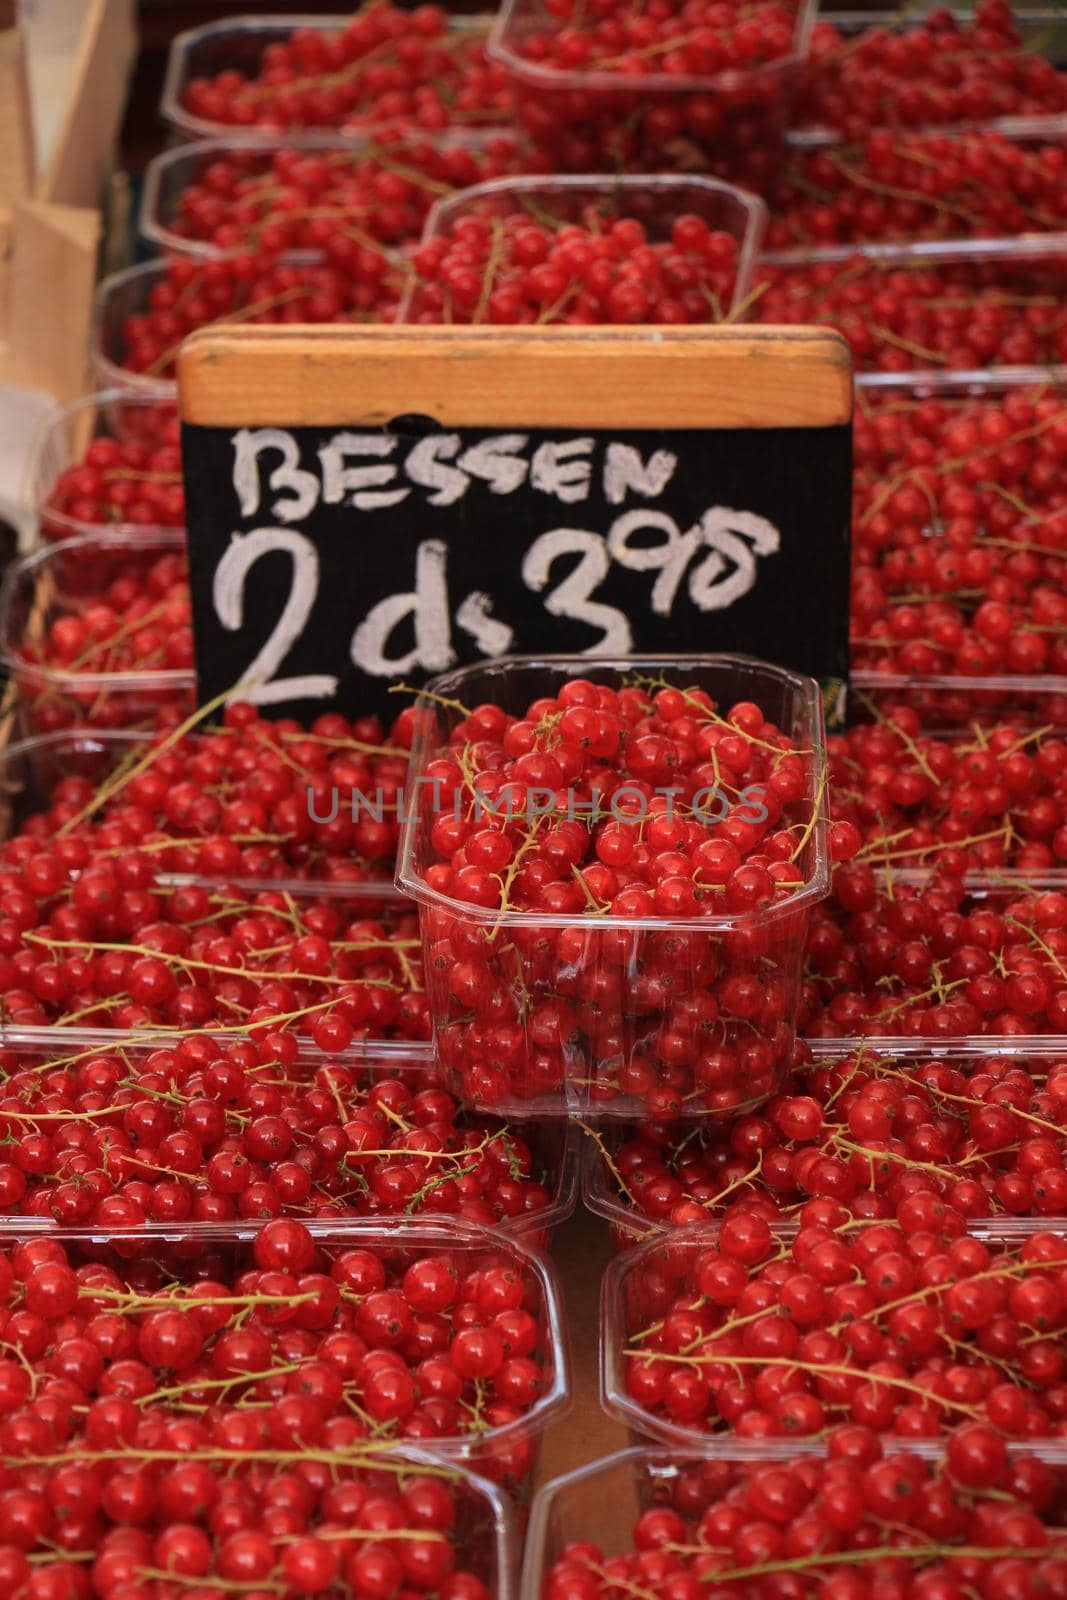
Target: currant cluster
x,y
960,540
347,205
109,611
851,1138
905,186
521,268
950,315
904,1327
247,287
130,481
647,1008
934,72
980,1522
933,962
205,1130
384,66
249,800
675,86
987,798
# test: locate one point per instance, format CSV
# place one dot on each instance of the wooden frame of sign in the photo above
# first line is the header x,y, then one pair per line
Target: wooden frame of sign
x,y
443,494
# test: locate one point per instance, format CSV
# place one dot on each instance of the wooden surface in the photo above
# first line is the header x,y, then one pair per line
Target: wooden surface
x,y
488,377
581,1251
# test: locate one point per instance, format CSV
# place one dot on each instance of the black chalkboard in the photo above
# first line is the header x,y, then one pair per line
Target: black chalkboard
x,y
328,563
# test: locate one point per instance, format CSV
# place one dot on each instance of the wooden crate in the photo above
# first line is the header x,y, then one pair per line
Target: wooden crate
x,y
50,221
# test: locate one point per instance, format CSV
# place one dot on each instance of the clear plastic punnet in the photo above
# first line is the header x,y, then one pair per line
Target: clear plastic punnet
x,y
1012,167
118,297
511,990
61,591
644,1187
966,312
181,205
655,201
281,1435
677,1396
31,768
504,1452
1038,96
590,1514
237,45
610,111
139,425
545,1154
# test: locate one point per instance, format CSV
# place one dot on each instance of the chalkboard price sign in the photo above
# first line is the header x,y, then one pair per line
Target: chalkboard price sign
x,y
375,506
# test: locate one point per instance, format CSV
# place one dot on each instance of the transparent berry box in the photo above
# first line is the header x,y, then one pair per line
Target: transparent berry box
x,y
994,192
593,118
594,1518
337,1268
950,1115
988,79
236,46
31,768
68,502
385,1167
670,1301
64,670
594,202
533,974
285,1433
985,304
183,207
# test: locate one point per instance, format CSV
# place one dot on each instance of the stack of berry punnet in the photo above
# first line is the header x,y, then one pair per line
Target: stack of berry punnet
x,y
108,1131
906,1327
937,70
587,250
861,1518
615,864
250,802
211,1415
126,479
96,634
384,67
925,314
854,1134
959,544
897,187
347,205
441,1335
988,802
654,90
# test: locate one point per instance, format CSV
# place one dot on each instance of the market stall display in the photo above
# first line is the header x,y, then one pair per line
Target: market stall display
x,y
543,672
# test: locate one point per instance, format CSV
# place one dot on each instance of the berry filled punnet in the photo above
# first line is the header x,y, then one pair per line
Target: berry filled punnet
x,y
120,1132
934,70
282,1341
854,1134
385,66
850,1523
905,1327
587,251
655,89
615,864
